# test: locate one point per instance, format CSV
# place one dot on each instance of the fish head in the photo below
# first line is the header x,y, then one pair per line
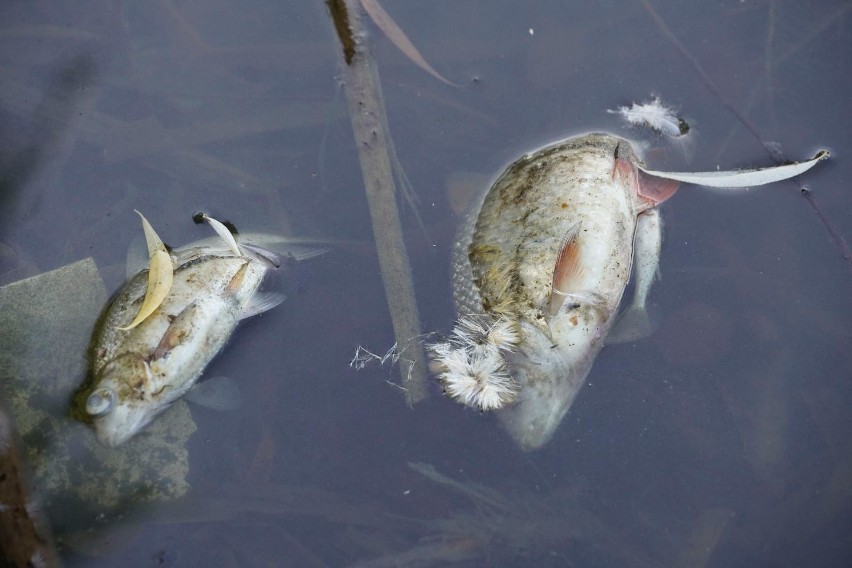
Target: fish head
x,y
550,366
122,403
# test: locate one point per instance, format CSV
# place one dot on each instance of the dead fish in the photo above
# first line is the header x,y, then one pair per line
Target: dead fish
x,y
138,371
539,269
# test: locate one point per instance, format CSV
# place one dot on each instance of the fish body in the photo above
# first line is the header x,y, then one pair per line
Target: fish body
x,y
540,266
549,251
138,372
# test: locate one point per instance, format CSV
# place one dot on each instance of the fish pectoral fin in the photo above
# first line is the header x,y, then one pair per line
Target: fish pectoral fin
x,y
289,248
632,325
289,252
568,270
237,279
217,393
177,332
261,302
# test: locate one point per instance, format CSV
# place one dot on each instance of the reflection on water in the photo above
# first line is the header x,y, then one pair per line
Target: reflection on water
x,y
718,441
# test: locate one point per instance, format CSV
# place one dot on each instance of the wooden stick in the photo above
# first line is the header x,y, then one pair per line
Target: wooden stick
x,y
367,112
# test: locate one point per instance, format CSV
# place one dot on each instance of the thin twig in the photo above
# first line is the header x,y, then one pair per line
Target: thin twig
x,y
367,112
834,233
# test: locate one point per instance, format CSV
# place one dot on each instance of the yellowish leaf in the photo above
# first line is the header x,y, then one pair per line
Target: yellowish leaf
x,y
160,275
743,178
152,239
390,28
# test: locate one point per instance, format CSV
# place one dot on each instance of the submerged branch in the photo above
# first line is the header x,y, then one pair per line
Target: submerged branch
x,y
367,112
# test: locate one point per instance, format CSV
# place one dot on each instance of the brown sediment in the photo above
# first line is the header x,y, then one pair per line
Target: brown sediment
x,y
25,538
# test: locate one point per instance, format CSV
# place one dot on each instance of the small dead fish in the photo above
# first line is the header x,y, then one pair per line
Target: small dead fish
x,y
539,269
138,371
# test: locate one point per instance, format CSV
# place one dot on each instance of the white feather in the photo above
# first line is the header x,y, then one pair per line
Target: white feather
x,y
470,364
655,115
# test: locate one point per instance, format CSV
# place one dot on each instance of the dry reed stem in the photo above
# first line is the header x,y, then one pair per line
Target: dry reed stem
x,y
367,112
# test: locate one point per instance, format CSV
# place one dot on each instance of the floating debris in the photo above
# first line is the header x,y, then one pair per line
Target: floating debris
x,y
655,115
398,37
471,366
737,179
395,355
160,274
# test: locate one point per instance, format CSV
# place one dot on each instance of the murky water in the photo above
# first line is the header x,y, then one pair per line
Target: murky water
x,y
721,440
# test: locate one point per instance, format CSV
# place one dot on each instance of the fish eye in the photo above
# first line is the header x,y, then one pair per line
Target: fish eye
x,y
100,402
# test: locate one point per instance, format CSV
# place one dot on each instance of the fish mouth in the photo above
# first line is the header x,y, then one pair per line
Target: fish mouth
x,y
549,378
120,424
535,417
112,439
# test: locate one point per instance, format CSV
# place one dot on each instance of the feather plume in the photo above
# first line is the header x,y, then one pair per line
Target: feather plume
x,y
471,366
654,115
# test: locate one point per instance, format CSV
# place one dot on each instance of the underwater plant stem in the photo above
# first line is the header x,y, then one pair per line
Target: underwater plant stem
x,y
25,537
367,112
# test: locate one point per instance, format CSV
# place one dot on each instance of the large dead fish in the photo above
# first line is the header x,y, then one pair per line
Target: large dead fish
x,y
539,269
168,321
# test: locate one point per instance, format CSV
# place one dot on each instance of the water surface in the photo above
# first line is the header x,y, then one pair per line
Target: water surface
x,y
718,441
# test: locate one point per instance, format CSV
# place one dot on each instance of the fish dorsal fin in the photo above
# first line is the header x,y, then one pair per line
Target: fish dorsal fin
x,y
160,275
267,256
179,331
568,270
216,393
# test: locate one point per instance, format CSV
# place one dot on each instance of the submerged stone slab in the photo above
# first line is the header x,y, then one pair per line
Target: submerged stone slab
x,y
47,322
